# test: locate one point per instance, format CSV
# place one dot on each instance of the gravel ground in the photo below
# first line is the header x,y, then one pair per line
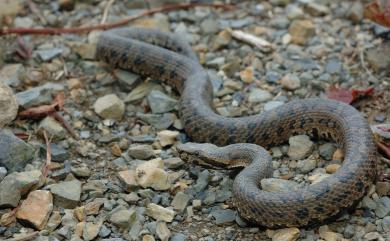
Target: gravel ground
x,y
122,180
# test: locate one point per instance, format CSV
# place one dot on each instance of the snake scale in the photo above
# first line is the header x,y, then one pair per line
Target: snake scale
x,y
165,57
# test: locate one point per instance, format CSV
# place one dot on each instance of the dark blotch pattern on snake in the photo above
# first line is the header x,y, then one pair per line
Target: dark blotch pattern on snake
x,y
165,57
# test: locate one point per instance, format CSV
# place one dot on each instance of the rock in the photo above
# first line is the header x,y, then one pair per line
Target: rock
x,y
160,102
338,155
81,171
12,75
383,207
202,181
258,95
49,54
301,31
286,234
306,166
373,236
36,209
91,230
142,152
291,82
272,77
272,104
382,188
40,95
294,12
386,224
3,173
148,238
151,174
328,235
159,213
14,152
171,163
278,185
332,168
355,12
223,216
247,75
162,231
141,91
209,26
86,51
180,201
179,237
128,179
109,107
333,66
167,137
66,194
159,121
67,5
8,105
104,231
126,79
221,40
318,177
379,58
52,128
124,218
54,221
280,2
58,153
316,9
326,151
300,147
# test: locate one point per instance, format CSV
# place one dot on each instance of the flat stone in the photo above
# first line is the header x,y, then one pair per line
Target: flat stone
x,y
128,179
58,153
66,194
171,163
109,107
306,166
159,213
258,95
10,8
160,102
300,147
141,91
141,152
179,237
8,105
209,26
54,221
301,31
53,128
382,188
162,231
91,230
272,77
36,209
15,154
159,121
49,54
278,185
40,95
151,174
286,234
291,82
327,150
223,216
86,51
383,207
12,74
124,218
167,137
272,104
316,178
316,9
126,79
180,201
333,66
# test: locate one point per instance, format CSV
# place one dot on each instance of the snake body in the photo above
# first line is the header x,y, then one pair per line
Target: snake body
x,y
165,57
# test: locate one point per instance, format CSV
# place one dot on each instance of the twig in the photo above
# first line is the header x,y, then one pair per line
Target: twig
x,y
106,10
25,237
65,123
45,168
383,148
124,21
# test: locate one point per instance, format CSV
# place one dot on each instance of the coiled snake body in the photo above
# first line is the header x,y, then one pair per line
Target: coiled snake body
x,y
165,57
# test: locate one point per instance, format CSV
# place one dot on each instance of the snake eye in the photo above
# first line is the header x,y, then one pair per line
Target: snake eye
x,y
197,153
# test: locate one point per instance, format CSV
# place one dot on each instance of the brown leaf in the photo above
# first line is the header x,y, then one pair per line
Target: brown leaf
x,y
347,96
379,12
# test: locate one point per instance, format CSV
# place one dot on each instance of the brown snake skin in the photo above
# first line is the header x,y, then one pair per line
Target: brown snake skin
x,y
165,57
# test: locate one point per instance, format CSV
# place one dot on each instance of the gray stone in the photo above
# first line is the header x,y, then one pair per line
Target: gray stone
x,y
202,181
316,9
49,54
142,152
305,166
179,237
278,185
272,77
209,26
135,230
162,231
294,12
126,79
258,95
123,218
272,104
383,207
326,151
8,105
13,74
291,82
369,203
300,147
386,224
173,163
180,201
3,173
15,154
159,121
223,216
355,12
160,102
379,57
53,128
104,231
58,153
109,107
333,66
39,95
66,194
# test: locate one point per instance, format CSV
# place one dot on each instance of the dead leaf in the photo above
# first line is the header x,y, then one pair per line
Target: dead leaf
x,y
347,96
378,11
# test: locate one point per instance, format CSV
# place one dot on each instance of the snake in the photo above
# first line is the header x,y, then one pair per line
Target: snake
x,y
222,142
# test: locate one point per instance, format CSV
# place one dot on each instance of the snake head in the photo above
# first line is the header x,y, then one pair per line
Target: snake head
x,y
202,154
